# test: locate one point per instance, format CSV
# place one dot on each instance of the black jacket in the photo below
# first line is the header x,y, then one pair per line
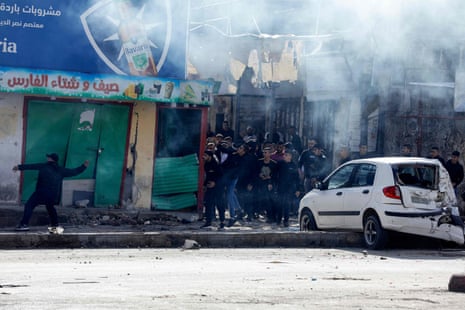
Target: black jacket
x,y
266,172
288,178
213,171
247,170
50,178
455,172
231,166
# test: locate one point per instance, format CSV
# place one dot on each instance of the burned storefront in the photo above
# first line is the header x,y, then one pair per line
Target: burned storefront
x,y
380,78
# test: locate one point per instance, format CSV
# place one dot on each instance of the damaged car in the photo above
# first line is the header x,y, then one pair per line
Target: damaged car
x,y
377,195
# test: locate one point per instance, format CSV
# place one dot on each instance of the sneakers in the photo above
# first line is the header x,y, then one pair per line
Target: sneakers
x,y
22,227
231,222
206,225
56,230
221,225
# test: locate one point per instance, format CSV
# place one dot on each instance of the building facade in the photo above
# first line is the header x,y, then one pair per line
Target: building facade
x,y
117,96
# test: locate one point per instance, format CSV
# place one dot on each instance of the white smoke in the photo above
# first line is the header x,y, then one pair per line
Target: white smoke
x,y
389,28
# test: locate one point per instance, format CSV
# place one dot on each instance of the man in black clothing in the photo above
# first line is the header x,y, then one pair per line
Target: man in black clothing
x,y
305,162
266,183
230,167
320,167
226,131
288,187
295,140
455,170
213,190
246,180
224,149
434,154
48,188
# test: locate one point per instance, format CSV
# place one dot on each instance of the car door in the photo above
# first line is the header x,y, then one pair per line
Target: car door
x,y
329,203
358,195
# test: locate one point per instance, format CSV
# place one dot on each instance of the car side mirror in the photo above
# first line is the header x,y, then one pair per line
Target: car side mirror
x,y
320,186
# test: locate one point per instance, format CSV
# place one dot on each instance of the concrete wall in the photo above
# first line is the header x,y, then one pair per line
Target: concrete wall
x,y
355,115
11,126
143,173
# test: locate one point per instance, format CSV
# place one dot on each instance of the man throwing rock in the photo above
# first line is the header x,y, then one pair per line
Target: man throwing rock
x,y
48,189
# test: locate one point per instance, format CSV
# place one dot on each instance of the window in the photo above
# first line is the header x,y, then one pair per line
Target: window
x,y
423,176
341,178
365,175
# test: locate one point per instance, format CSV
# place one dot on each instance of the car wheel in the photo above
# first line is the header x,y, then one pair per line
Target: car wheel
x,y
307,221
374,235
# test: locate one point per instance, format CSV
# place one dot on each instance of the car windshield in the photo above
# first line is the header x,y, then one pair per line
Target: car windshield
x,y
424,176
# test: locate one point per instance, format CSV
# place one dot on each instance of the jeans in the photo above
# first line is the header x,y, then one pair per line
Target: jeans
x,y
212,199
231,198
266,201
245,197
33,202
282,212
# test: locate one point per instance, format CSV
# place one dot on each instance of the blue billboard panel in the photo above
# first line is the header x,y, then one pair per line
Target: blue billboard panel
x,y
127,37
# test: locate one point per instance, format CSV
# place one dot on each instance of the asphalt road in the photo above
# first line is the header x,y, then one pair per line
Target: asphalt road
x,y
229,279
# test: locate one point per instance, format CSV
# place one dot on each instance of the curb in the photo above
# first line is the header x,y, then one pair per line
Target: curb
x,y
177,239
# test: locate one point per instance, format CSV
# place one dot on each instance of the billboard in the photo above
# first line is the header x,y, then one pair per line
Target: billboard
x,y
126,37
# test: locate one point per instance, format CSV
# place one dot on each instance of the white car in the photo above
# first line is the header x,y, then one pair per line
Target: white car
x,y
376,195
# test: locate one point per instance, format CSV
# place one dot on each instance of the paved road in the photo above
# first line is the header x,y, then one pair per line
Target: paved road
x,y
229,279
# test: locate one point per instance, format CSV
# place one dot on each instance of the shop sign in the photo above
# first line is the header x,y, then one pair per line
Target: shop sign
x,y
101,86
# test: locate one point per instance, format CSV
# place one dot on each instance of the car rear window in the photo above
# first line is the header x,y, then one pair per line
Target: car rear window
x,y
424,176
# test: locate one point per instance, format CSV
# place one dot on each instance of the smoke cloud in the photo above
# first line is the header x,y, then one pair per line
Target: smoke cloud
x,y
220,30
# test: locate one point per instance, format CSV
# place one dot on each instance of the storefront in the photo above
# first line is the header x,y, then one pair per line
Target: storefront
x,y
116,122
103,81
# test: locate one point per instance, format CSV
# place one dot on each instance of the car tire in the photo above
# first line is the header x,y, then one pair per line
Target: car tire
x,y
307,221
374,235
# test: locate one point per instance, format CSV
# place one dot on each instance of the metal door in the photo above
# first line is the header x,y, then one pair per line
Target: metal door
x,y
77,132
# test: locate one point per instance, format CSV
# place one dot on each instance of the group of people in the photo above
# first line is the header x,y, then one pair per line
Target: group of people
x,y
248,179
452,165
252,179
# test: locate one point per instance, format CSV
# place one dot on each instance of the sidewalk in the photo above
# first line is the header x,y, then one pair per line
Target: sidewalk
x,y
117,228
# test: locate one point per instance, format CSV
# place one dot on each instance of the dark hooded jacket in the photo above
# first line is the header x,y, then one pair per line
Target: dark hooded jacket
x,y
50,178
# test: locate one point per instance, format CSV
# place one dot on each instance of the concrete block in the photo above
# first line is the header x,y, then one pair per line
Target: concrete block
x,y
457,283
